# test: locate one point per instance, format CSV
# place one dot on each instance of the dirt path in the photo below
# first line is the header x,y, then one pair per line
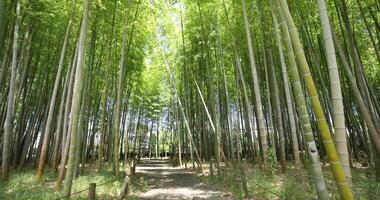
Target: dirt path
x,y
166,182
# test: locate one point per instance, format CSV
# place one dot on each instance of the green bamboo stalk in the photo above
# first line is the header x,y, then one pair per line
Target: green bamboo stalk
x,y
323,127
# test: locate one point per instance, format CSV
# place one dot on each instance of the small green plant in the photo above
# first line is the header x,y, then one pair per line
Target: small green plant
x,y
272,161
24,186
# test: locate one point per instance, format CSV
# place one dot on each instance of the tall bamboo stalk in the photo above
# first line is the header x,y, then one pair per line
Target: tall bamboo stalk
x,y
336,91
256,88
337,169
76,104
9,120
303,113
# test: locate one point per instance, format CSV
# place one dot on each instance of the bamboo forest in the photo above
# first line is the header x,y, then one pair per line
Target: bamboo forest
x,y
190,99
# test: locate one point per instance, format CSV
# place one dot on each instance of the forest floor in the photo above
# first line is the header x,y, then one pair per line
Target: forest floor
x,y
157,179
272,184
167,182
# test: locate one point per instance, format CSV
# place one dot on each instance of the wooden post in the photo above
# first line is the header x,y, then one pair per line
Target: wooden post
x,y
211,169
244,181
124,188
91,191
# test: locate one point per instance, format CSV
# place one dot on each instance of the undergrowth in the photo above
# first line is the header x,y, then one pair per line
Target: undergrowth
x,y
24,186
292,185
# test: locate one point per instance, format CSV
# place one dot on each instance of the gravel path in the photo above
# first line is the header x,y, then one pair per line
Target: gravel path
x,y
166,182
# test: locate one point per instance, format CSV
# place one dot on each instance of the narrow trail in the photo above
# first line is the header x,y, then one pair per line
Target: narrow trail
x,y
166,182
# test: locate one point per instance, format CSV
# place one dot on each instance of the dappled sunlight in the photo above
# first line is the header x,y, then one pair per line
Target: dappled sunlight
x,y
179,193
166,182
189,99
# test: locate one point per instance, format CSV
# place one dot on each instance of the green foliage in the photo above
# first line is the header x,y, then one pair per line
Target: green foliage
x,y
291,188
273,163
288,185
364,184
165,141
24,185
157,30
229,180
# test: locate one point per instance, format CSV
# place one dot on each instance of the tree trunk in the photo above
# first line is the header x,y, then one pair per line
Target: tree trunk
x,y
280,128
337,169
288,97
259,107
78,86
303,113
45,144
336,91
2,23
120,88
66,125
8,125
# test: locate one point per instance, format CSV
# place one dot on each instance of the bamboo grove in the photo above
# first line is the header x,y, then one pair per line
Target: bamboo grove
x,y
97,84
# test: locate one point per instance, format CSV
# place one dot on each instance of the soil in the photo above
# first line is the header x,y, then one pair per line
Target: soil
x,y
167,182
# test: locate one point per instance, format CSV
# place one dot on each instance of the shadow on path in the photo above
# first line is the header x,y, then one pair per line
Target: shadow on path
x,y
166,182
